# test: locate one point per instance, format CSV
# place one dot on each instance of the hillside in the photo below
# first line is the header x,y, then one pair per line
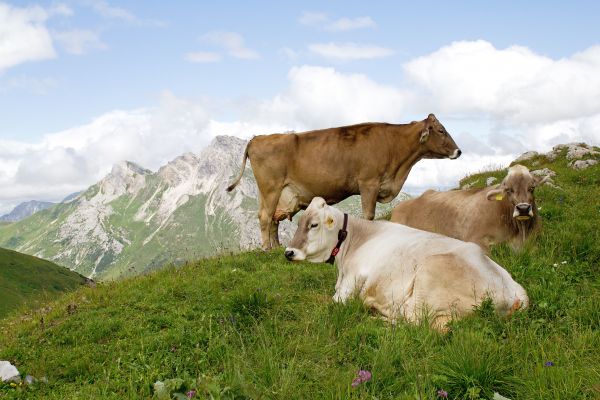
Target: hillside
x,y
135,220
255,326
25,278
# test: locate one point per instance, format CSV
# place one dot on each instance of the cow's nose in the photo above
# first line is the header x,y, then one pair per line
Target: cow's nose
x,y
523,208
456,154
289,254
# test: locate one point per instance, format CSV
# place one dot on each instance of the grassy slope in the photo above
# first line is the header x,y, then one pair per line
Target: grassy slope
x,y
25,278
255,326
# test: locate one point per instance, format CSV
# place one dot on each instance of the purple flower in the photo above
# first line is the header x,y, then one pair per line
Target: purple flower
x,y
442,393
362,376
548,364
190,394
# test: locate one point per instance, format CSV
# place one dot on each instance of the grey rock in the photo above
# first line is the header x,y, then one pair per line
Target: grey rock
x,y
9,373
574,151
582,164
490,180
543,172
527,156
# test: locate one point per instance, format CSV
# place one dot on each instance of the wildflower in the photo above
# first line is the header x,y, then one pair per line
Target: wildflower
x,y
442,393
190,394
363,376
548,364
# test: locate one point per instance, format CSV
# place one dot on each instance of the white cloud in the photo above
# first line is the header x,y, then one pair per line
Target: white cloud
x,y
73,159
496,103
512,84
310,18
108,11
23,36
104,9
323,21
231,42
79,41
318,97
202,57
347,24
349,51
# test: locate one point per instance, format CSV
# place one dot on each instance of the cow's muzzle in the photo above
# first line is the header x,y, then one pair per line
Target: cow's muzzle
x,y
455,155
294,254
523,211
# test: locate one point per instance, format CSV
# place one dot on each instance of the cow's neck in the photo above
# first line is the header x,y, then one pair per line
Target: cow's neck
x,y
414,155
358,230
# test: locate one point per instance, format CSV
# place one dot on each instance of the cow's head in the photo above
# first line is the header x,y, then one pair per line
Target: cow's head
x,y
518,187
317,233
435,140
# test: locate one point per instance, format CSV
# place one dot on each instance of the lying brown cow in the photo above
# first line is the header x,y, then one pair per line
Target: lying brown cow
x,y
371,159
506,212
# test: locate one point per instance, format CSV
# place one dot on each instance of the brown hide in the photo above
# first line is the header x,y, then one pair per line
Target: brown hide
x,y
475,215
370,159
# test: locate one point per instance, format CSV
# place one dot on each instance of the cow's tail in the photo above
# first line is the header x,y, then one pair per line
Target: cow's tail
x,y
237,180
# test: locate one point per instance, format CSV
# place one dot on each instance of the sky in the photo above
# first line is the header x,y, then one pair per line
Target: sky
x,y
87,83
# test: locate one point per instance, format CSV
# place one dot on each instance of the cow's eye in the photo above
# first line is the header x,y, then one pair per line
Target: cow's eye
x,y
509,191
531,189
313,225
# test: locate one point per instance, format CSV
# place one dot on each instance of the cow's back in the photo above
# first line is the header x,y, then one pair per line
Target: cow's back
x,y
453,213
330,162
402,265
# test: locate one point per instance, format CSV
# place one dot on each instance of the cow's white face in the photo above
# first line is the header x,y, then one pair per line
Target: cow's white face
x,y
518,187
317,233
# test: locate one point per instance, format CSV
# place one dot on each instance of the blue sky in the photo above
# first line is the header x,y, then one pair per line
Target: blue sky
x,y
76,76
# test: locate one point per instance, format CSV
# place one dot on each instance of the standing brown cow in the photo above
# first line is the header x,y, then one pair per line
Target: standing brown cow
x,y
370,159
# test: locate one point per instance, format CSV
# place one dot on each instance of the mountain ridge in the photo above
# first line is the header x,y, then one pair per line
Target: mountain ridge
x,y
135,220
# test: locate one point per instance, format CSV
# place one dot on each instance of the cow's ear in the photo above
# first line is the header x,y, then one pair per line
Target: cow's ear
x,y
424,136
329,222
495,194
318,202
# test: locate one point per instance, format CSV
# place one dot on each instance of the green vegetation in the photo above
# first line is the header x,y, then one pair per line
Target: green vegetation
x,y
255,326
26,279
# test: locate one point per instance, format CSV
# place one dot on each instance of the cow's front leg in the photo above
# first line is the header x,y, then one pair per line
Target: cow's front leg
x,y
368,198
275,234
342,294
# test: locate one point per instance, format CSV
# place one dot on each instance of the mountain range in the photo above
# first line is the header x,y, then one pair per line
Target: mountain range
x,y
135,220
25,209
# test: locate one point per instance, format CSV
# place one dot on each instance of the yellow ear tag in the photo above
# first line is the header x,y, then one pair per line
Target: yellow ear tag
x,y
329,222
499,197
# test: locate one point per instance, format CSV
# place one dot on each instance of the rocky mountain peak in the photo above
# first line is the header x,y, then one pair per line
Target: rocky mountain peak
x,y
125,177
25,209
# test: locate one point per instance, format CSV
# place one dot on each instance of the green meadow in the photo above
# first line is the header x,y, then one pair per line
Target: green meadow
x,y
28,280
253,326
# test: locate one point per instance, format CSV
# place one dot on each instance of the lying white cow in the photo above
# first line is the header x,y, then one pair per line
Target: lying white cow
x,y
400,271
